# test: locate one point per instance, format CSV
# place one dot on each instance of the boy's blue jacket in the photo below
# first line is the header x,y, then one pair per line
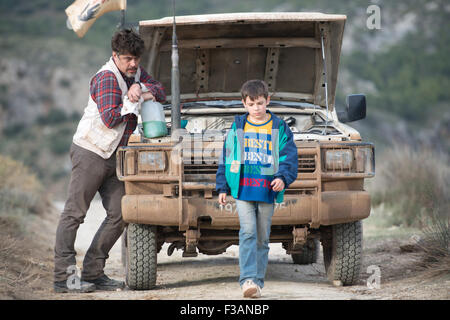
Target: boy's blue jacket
x,y
284,151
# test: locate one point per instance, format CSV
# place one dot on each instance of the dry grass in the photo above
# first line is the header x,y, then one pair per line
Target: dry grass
x,y
20,190
411,183
436,245
17,274
412,189
22,204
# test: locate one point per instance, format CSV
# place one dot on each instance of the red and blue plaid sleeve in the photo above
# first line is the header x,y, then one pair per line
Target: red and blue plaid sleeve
x,y
105,91
153,86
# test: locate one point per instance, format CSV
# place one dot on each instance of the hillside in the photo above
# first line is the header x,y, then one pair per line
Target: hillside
x,y
403,68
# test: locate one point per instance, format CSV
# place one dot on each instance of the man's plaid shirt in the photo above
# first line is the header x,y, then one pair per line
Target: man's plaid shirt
x,y
105,91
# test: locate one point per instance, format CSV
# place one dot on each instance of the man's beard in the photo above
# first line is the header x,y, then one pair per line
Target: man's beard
x,y
130,73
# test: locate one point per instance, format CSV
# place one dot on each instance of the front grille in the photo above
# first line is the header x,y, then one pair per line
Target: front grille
x,y
306,163
198,168
120,163
202,168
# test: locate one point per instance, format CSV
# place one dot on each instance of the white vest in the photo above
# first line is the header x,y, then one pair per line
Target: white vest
x,y
92,134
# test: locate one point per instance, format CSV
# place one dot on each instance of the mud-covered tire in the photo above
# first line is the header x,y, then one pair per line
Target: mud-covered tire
x,y
342,252
309,254
141,256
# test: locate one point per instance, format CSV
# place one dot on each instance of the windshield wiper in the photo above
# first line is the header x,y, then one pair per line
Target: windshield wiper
x,y
188,105
295,106
238,104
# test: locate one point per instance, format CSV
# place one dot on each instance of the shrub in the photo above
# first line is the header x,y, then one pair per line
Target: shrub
x,y
56,116
437,235
412,182
436,245
60,143
20,190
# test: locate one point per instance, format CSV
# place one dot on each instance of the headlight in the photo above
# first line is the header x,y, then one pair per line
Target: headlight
x,y
339,159
365,160
152,161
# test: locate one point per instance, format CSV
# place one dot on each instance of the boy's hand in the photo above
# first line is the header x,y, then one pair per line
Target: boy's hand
x,y
277,185
222,198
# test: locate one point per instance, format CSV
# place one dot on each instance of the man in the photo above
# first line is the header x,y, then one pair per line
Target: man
x,y
118,86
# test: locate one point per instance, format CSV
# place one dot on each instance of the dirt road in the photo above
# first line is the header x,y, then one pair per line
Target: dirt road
x,y
197,278
216,277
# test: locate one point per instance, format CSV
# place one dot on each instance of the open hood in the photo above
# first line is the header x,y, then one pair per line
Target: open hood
x,y
219,52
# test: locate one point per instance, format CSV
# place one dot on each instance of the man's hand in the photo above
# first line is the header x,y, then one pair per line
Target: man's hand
x,y
222,198
134,93
148,96
277,185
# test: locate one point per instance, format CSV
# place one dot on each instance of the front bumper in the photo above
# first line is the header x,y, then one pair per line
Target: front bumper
x,y
330,207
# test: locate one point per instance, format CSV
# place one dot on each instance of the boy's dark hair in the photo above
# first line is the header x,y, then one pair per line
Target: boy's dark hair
x,y
254,89
127,42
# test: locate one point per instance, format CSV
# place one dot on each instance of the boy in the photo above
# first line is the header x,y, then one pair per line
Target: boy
x,y
259,161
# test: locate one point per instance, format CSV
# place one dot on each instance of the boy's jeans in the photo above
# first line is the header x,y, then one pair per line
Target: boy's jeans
x,y
255,219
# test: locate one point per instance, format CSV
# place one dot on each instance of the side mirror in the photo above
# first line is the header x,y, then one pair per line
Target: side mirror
x,y
356,107
355,110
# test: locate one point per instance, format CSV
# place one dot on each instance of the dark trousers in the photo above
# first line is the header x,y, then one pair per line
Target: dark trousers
x,y
90,173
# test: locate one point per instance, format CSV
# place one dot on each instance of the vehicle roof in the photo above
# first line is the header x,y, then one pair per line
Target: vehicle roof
x,y
247,16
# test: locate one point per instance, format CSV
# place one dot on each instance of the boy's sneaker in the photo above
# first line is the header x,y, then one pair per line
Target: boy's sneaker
x,y
105,283
258,292
251,290
61,287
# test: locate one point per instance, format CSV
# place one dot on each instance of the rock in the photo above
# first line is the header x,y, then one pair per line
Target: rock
x,y
413,245
409,248
337,283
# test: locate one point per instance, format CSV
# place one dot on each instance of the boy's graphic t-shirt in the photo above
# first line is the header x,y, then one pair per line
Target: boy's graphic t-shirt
x,y
257,167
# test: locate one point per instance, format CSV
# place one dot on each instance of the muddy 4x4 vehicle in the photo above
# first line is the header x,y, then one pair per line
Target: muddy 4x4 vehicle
x,y
170,181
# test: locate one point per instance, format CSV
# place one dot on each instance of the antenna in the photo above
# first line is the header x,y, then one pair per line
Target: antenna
x,y
122,19
175,83
326,81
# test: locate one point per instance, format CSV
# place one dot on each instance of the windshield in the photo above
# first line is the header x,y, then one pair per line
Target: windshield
x,y
238,104
301,117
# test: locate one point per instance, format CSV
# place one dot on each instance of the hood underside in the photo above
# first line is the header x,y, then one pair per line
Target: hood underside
x,y
219,52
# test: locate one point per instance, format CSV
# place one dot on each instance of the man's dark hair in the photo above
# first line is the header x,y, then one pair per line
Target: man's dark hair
x,y
254,89
127,42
